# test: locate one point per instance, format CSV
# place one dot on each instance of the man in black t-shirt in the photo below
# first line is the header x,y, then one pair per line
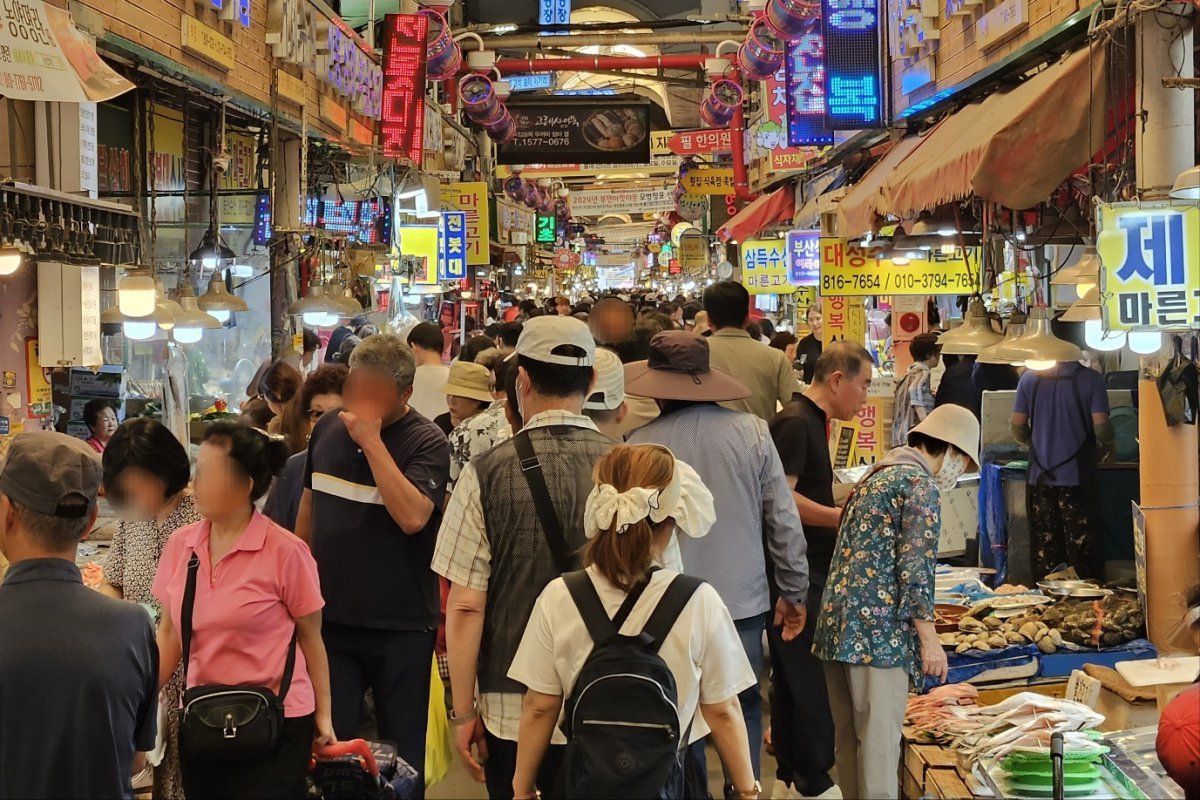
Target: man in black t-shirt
x,y
374,487
78,670
801,723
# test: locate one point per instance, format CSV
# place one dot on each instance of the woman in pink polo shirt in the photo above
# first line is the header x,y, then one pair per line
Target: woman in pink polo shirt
x,y
256,587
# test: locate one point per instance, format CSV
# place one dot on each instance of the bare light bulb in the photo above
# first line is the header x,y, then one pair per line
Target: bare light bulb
x,y
139,330
187,335
136,295
1081,289
222,314
10,260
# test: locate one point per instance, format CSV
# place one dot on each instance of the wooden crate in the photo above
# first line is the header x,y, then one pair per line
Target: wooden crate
x,y
947,784
919,762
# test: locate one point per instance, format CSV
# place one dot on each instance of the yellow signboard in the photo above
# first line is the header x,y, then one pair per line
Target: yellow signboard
x,y
207,43
693,251
1151,265
709,181
471,198
291,88
421,242
765,266
660,143
859,272
844,318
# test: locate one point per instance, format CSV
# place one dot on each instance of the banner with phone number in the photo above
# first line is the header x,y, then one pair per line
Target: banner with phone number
x,y
862,271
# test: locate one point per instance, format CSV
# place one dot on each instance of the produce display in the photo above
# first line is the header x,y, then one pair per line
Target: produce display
x,y
217,412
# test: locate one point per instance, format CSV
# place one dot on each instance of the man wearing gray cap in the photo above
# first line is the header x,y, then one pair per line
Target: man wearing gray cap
x,y
78,670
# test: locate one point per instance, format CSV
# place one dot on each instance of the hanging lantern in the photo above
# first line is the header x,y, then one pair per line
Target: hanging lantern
x,y
503,128
478,97
445,56
791,18
761,55
514,188
724,97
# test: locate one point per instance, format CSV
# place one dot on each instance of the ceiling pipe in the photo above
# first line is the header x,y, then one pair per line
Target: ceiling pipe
x,y
535,41
585,63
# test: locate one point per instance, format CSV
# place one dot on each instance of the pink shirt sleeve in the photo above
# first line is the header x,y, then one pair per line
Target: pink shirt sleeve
x,y
299,581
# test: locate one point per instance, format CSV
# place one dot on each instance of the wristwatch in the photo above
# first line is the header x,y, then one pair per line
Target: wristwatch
x,y
467,718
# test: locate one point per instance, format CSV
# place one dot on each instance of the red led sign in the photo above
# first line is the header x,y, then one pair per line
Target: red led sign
x,y
402,125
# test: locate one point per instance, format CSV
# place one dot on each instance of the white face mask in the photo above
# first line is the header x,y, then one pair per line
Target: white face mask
x,y
953,465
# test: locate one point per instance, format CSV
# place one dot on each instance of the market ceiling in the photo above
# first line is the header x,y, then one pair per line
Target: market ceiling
x,y
520,12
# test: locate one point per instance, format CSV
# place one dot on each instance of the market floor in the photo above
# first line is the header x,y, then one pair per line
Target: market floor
x,y
459,786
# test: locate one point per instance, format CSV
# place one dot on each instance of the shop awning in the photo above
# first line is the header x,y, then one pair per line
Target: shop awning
x,y
856,211
765,211
818,196
1013,148
61,68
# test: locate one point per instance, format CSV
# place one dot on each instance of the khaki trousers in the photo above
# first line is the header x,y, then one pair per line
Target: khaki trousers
x,y
868,706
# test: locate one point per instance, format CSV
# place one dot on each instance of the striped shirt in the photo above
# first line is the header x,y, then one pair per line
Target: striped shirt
x,y
373,575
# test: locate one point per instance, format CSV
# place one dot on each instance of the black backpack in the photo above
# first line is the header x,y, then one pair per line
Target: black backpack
x,y
621,719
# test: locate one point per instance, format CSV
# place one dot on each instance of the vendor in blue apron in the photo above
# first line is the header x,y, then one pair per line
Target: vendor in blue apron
x,y
1062,414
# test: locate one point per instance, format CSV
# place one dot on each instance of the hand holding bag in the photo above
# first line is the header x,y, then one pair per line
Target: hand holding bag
x,y
228,721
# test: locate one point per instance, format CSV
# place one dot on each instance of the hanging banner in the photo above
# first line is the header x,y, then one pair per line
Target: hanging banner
x,y
804,66
859,272
769,138
1150,252
569,131
804,257
596,202
452,245
853,92
765,267
844,318
473,199
709,180
693,251
405,54
703,142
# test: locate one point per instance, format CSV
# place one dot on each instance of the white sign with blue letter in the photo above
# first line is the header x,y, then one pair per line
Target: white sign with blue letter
x,y
554,12
452,242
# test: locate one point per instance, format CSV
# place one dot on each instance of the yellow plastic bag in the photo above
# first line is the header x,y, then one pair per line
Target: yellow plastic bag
x,y
439,748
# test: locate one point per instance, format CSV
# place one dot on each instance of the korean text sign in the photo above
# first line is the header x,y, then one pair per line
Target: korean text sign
x,y
804,257
845,318
765,267
860,272
853,91
578,131
452,245
804,64
1151,265
402,129
471,198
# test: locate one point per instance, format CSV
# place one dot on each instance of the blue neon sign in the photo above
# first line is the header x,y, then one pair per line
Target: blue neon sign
x,y
554,12
452,241
531,82
804,65
804,257
853,90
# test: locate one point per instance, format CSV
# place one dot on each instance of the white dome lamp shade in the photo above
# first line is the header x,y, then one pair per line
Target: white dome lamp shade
x,y
1145,343
317,309
1187,184
973,335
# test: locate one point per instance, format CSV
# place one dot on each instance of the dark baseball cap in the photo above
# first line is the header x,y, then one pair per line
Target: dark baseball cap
x,y
51,474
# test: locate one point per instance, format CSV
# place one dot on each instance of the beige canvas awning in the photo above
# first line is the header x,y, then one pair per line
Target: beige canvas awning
x,y
1014,148
856,211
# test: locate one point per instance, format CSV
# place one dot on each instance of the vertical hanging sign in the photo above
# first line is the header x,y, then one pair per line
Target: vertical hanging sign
x,y
805,67
452,238
402,128
554,12
853,94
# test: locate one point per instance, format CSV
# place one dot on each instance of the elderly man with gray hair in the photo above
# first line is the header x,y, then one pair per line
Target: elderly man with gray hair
x,y
374,483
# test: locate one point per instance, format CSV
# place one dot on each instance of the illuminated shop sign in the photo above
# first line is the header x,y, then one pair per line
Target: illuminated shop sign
x,y
531,82
804,257
402,130
233,9
452,245
853,95
350,71
805,67
554,12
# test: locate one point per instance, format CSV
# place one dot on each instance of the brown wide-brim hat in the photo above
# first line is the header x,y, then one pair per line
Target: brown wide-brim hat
x,y
679,369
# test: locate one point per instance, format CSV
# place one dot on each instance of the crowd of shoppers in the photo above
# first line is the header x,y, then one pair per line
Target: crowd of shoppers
x,y
556,457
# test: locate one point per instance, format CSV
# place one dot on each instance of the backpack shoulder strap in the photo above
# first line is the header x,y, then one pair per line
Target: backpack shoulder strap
x,y
583,592
669,607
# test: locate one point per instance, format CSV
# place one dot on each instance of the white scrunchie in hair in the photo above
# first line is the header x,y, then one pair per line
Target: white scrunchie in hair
x,y
685,499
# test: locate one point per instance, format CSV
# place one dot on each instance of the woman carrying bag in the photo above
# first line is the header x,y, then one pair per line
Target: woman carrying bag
x,y
642,495
876,633
244,605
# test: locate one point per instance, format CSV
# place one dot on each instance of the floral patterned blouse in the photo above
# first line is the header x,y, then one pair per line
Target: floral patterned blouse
x,y
882,576
136,547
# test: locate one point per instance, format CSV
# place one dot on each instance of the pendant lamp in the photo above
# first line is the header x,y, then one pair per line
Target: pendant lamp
x,y
219,301
1084,274
166,307
317,309
211,251
191,322
1042,348
1187,185
998,353
136,294
973,335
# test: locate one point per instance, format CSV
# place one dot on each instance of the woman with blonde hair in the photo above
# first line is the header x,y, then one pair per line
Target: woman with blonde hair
x,y
642,496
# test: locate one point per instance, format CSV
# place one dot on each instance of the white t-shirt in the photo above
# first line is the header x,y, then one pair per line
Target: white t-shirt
x,y
427,396
702,650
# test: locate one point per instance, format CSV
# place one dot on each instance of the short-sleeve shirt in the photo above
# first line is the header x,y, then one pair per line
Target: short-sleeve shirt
x,y
802,438
78,685
702,650
246,607
133,558
373,574
1061,420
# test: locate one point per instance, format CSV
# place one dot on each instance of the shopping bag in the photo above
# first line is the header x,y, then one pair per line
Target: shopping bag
x,y
439,748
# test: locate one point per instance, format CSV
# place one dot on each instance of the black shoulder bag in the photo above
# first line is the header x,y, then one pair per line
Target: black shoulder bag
x,y
228,721
552,527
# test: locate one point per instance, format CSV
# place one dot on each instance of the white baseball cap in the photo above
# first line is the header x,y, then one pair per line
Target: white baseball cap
x,y
541,336
609,391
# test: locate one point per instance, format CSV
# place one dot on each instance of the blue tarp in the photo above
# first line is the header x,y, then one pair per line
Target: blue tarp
x,y
993,530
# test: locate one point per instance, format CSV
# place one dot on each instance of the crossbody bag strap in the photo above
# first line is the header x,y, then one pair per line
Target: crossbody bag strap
x,y
552,528
185,629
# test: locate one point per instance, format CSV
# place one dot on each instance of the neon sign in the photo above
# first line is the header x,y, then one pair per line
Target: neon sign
x,y
853,94
452,245
233,9
350,70
402,129
804,63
